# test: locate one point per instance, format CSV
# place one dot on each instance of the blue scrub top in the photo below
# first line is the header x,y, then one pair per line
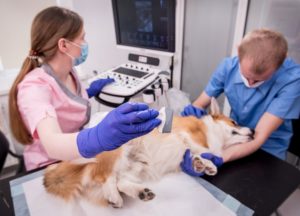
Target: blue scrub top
x,y
279,95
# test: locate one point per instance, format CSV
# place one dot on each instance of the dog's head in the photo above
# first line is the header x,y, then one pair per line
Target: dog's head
x,y
228,130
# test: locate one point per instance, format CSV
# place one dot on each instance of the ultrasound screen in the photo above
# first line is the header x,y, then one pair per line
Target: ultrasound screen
x,y
145,23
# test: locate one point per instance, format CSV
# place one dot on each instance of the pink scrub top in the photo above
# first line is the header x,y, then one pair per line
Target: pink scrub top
x,y
42,94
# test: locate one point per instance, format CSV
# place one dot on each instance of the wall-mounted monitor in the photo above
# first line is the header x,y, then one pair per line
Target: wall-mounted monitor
x,y
148,24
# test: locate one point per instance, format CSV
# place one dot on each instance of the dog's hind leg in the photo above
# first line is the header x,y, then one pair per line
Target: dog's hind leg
x,y
111,193
135,190
199,164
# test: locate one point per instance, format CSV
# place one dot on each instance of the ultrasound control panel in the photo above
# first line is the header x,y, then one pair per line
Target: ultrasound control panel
x,y
129,78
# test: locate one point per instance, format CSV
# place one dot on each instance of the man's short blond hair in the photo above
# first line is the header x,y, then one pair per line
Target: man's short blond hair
x,y
265,48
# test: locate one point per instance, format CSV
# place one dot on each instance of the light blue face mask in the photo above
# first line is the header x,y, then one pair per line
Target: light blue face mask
x,y
83,53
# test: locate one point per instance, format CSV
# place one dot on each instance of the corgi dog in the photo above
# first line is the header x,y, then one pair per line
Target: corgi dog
x,y
122,172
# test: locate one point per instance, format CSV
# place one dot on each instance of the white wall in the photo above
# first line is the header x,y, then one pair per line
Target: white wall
x,y
208,36
280,15
15,23
99,27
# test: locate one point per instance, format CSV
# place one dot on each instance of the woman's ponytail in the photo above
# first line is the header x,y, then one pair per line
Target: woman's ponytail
x,y
17,124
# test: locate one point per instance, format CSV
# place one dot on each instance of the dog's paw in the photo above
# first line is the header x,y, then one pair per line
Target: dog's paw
x,y
115,201
203,165
146,194
210,167
198,164
116,204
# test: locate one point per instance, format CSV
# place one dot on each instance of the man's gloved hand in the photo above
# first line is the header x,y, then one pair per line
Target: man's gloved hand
x,y
217,161
126,122
97,85
187,162
192,110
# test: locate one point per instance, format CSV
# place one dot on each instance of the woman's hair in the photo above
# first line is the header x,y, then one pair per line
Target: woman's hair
x,y
49,25
265,48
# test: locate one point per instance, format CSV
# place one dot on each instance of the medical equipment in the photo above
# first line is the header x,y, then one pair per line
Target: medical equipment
x,y
130,79
149,25
166,117
145,24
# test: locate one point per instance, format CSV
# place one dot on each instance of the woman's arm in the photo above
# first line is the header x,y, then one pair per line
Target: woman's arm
x,y
58,145
265,127
124,123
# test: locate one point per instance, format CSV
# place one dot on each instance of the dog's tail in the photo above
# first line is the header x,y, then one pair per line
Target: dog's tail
x,y
64,179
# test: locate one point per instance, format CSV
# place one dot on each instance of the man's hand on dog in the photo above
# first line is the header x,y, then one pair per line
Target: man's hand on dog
x,y
191,110
196,166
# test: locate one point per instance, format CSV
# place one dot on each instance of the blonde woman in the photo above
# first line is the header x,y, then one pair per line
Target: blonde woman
x,y
49,107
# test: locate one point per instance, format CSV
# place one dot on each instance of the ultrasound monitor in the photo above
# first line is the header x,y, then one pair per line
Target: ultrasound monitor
x,y
148,24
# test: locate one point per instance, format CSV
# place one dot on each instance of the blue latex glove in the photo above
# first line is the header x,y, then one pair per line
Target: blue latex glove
x,y
97,85
217,161
126,122
187,163
191,110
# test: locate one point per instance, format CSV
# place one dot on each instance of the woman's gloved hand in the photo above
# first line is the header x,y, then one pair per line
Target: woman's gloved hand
x,y
97,85
192,110
126,122
187,162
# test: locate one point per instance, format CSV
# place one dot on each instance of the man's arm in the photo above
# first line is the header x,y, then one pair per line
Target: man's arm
x,y
265,127
202,101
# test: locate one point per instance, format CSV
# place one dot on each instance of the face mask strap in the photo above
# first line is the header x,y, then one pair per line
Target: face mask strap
x,y
83,53
73,43
72,57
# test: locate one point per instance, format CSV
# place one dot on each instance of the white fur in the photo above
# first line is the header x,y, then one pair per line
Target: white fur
x,y
153,156
147,159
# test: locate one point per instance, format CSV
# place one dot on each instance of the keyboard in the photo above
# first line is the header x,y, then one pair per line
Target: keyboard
x,y
129,79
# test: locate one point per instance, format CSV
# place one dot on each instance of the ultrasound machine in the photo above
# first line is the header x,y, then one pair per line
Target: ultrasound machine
x,y
147,25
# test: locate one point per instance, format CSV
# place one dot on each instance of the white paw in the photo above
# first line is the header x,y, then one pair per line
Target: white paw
x,y
116,202
210,168
198,164
203,165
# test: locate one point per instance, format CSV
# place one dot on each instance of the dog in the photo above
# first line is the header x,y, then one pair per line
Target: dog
x,y
113,174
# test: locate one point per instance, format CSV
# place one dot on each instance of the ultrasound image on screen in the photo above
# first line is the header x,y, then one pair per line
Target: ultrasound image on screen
x,y
145,23
144,16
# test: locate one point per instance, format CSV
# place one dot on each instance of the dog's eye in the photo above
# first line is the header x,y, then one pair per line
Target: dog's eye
x,y
234,133
234,123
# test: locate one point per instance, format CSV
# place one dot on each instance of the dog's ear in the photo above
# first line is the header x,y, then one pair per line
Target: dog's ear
x,y
214,107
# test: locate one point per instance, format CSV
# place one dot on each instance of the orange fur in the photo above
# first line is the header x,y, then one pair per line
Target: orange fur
x,y
102,181
193,126
64,179
105,164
